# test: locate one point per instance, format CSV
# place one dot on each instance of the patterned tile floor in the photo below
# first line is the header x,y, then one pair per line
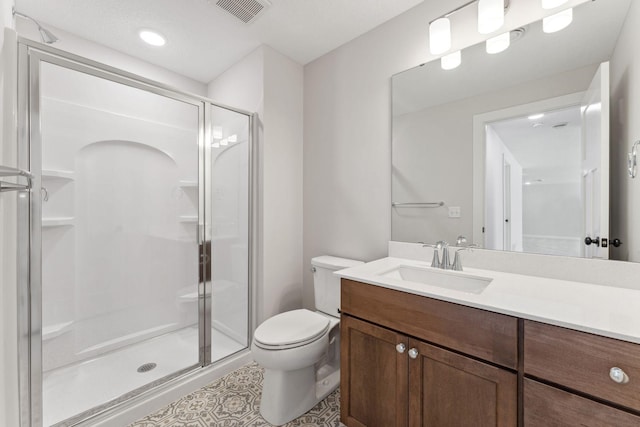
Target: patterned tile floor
x,y
234,401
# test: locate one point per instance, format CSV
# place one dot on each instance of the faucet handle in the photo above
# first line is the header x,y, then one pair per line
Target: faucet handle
x,y
461,240
457,259
435,261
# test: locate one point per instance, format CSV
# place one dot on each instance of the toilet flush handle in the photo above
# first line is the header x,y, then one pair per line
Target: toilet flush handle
x,y
313,269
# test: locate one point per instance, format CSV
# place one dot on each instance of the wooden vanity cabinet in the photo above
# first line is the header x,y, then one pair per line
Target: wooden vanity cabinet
x,y
395,371
576,365
409,360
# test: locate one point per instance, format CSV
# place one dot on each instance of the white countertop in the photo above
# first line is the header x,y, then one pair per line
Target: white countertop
x,y
603,310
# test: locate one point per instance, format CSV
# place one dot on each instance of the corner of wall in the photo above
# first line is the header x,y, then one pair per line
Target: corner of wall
x,y
625,129
270,84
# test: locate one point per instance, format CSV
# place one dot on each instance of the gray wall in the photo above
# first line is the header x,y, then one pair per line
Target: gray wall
x,y
625,125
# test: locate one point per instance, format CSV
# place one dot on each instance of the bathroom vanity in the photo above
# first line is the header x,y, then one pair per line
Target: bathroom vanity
x,y
516,352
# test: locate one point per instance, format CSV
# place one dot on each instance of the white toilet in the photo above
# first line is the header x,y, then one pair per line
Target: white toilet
x,y
300,349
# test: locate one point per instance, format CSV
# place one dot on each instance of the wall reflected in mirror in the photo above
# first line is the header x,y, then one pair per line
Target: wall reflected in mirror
x,y
509,178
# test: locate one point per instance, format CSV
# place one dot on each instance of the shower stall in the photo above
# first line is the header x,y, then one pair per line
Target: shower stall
x,y
136,230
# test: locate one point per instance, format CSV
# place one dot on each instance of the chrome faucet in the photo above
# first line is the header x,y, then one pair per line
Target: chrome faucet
x,y
444,264
457,259
435,262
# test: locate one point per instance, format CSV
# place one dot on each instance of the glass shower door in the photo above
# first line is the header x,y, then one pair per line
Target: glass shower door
x,y
120,207
229,232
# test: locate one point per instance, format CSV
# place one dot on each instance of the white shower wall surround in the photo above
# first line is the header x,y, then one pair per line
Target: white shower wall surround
x,y
95,297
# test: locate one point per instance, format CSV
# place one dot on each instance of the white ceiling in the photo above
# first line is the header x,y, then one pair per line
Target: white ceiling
x,y
203,40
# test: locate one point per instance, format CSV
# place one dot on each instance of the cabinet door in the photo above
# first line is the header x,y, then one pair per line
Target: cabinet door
x,y
373,375
450,390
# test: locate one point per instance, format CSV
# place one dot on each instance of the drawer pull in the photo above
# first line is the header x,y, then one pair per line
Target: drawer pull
x,y
413,353
400,348
618,375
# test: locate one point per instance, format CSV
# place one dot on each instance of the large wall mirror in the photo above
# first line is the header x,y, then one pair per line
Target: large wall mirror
x,y
524,150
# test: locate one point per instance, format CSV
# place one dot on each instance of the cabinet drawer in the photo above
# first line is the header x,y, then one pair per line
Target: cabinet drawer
x,y
486,335
582,361
547,406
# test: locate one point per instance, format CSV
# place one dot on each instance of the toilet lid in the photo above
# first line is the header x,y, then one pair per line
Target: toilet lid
x,y
291,328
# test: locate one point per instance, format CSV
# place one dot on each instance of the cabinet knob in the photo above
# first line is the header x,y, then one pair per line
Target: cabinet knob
x,y
400,348
413,353
617,375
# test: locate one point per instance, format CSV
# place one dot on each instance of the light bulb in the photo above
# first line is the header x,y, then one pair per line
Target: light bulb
x,y
440,36
499,43
490,15
451,61
557,22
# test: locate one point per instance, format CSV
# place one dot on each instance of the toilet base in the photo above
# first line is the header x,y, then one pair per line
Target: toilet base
x,y
286,394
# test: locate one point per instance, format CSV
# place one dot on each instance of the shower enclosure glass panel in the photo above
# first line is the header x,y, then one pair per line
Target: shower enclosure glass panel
x,y
119,231
229,231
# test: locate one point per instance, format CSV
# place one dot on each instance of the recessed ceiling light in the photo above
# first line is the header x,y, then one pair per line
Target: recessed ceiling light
x,y
151,37
536,116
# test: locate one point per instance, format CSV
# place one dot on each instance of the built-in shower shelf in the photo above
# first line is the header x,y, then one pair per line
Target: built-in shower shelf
x,y
188,184
57,222
58,174
188,218
55,330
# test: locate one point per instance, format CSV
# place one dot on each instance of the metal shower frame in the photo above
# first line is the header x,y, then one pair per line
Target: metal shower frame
x,y
29,145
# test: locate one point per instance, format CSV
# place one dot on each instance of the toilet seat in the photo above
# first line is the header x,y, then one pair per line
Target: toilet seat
x,y
291,329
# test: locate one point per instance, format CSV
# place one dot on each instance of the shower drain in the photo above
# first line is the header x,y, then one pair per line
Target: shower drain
x,y
147,367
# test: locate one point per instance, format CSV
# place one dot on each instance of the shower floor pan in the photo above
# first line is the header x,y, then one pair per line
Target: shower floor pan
x,y
73,389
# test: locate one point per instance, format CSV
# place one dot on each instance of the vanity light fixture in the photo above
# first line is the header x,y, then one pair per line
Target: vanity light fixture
x,y
490,19
451,61
557,22
152,37
490,15
552,4
536,116
440,36
499,43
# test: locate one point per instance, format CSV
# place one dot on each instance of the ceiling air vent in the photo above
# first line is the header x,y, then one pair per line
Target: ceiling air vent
x,y
245,10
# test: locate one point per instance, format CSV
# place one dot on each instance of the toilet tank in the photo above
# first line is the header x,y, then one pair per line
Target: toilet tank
x,y
326,285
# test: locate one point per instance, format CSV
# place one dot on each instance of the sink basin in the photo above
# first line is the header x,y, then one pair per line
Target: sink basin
x,y
440,278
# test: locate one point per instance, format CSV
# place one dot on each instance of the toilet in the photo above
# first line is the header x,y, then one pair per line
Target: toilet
x,y
300,349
